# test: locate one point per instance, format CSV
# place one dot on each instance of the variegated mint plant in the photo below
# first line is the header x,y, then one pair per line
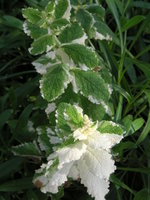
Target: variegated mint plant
x,y
77,84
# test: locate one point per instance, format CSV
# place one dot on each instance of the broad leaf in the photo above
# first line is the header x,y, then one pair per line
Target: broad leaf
x,y
87,21
91,85
96,10
58,24
96,186
103,32
81,55
42,44
60,119
110,127
33,30
32,15
74,116
54,82
26,149
44,62
70,33
62,9
44,140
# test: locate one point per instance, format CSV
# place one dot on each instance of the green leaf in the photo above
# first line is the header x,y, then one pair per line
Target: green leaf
x,y
139,170
33,30
50,7
96,10
103,32
81,55
60,119
42,44
71,32
143,66
122,91
22,121
123,147
145,131
10,166
13,22
58,24
32,15
54,82
4,116
141,4
143,194
127,121
94,111
137,124
119,183
147,92
91,85
132,22
44,62
87,21
110,127
26,149
44,140
16,185
62,9
73,116
113,8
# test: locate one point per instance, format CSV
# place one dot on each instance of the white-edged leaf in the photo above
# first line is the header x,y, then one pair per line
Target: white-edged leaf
x,y
33,30
81,55
73,116
60,119
69,117
54,82
26,149
42,44
91,85
87,21
44,62
96,10
110,127
44,140
32,15
62,9
103,32
58,24
72,33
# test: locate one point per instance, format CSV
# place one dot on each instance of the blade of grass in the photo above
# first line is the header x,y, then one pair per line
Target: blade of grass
x,y
145,131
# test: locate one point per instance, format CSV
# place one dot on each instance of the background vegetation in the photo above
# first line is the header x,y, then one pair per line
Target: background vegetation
x,y
20,97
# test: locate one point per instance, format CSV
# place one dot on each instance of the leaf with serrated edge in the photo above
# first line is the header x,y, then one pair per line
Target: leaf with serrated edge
x,y
91,85
72,33
42,44
81,55
32,15
62,9
54,82
26,149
